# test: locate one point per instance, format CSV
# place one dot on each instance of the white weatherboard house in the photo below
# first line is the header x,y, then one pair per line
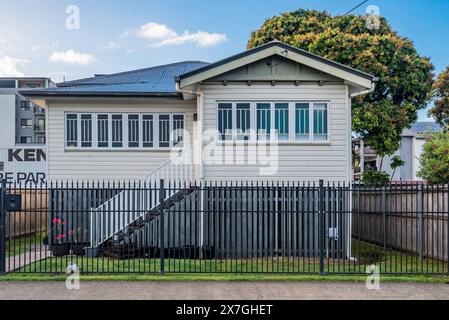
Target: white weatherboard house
x,y
119,126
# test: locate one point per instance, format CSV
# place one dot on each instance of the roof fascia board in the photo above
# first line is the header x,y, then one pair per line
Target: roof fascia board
x,y
327,68
118,100
50,95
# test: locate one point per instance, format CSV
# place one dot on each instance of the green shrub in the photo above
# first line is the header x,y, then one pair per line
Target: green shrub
x,y
376,178
435,159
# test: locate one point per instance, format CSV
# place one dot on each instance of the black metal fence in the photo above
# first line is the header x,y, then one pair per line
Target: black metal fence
x,y
219,227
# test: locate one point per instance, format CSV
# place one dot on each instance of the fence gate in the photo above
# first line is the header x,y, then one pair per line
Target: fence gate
x,y
219,227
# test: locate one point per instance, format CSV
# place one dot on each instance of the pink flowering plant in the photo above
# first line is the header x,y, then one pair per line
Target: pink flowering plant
x,y
61,235
59,230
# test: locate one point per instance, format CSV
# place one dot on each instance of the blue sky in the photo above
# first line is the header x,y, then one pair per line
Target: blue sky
x,y
118,35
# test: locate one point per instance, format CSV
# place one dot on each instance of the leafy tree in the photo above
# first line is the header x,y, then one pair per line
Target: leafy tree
x,y
396,163
440,112
405,77
435,159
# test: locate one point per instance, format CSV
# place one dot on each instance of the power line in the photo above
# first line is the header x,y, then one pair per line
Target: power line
x,y
355,8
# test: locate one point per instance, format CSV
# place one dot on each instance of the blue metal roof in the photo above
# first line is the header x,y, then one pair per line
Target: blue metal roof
x,y
157,81
425,127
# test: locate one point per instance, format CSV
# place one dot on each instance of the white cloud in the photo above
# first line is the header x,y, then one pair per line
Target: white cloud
x,y
72,57
156,31
112,45
8,66
201,39
161,36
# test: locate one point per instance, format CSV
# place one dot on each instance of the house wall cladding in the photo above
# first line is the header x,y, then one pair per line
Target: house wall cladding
x,y
297,161
107,164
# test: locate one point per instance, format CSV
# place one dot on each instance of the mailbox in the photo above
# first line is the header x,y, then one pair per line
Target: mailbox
x,y
13,202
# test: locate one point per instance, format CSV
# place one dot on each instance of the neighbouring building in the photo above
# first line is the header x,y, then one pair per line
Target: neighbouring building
x,y
22,121
412,143
22,131
410,151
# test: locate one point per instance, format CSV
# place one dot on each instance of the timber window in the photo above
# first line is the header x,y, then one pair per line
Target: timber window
x,y
148,133
287,121
225,123
124,131
86,130
71,130
117,131
133,131
103,130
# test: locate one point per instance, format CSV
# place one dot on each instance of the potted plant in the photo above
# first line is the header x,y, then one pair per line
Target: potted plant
x,y
78,243
59,246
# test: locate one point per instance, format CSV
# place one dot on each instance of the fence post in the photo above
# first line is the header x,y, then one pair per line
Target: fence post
x,y
447,226
2,228
384,212
161,224
420,225
321,226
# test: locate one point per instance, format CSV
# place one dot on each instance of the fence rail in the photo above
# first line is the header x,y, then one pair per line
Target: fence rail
x,y
219,227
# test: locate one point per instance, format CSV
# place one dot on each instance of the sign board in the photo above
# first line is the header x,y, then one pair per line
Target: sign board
x,y
24,165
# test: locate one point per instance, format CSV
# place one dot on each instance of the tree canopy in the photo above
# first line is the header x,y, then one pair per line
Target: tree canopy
x,y
405,77
435,159
440,112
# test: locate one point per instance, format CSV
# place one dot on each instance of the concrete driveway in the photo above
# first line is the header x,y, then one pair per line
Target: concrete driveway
x,y
221,290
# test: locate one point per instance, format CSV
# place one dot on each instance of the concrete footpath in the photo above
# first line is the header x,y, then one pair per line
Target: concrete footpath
x,y
221,290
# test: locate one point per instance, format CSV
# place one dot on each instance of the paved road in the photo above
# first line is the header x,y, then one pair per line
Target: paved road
x,y
220,290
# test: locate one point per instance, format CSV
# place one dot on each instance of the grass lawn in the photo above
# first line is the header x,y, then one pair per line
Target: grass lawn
x,y
405,267
25,244
226,277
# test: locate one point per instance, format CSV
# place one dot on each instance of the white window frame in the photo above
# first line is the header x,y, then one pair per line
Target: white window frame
x,y
172,120
313,120
124,131
109,133
153,120
292,139
233,118
139,131
240,136
78,134
80,128
125,120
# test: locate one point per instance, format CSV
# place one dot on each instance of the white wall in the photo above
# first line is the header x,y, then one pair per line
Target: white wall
x,y
301,162
106,165
418,145
7,120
